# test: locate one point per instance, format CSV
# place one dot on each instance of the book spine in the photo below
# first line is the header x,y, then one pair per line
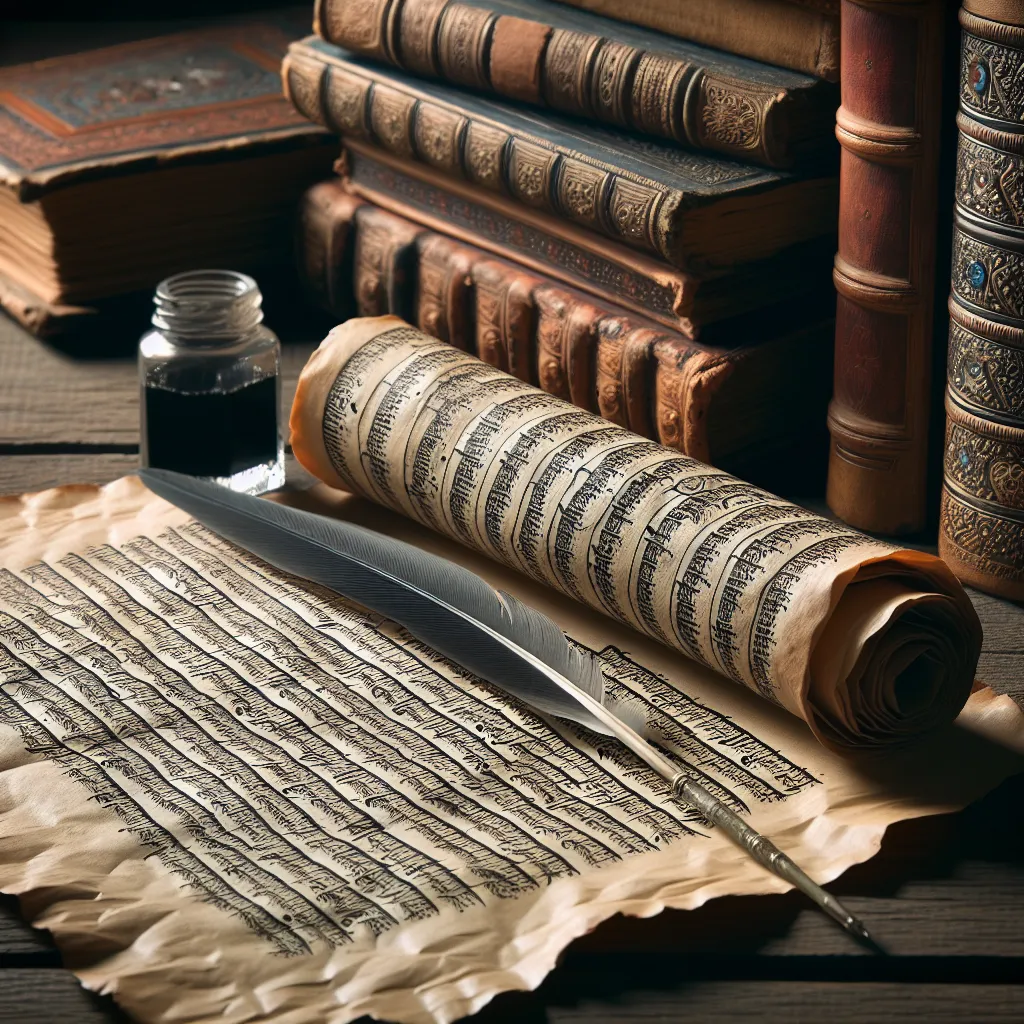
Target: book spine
x,y
541,176
632,372
566,342
578,73
773,31
981,526
324,246
888,126
445,306
685,382
625,356
505,317
385,264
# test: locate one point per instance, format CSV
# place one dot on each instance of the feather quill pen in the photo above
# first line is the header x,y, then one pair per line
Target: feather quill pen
x,y
490,633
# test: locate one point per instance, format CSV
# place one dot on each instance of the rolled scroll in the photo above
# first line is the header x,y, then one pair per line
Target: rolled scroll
x,y
870,644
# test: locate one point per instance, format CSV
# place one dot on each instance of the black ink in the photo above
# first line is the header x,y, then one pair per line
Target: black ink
x,y
212,434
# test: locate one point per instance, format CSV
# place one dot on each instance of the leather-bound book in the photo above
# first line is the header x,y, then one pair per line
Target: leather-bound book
x,y
122,165
981,528
695,210
582,64
697,305
385,265
798,34
505,317
445,297
756,407
888,126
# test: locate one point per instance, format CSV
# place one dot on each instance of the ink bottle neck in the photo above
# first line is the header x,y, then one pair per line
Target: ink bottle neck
x,y
207,308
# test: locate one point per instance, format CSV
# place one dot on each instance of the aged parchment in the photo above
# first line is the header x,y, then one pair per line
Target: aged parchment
x,y
233,797
868,643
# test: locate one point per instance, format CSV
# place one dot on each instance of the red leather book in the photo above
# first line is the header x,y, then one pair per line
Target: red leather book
x,y
888,126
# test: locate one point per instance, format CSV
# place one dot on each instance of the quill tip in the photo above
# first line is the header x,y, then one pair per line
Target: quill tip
x,y
856,928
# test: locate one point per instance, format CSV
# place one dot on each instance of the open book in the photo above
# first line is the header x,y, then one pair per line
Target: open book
x,y
237,796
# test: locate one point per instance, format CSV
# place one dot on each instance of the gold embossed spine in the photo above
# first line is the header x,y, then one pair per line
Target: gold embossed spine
x,y
565,80
416,40
463,41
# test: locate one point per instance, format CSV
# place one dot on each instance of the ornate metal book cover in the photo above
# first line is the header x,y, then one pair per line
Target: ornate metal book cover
x,y
582,64
981,531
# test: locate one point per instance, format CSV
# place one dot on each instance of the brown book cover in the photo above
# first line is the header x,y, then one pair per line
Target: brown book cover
x,y
798,34
697,211
445,301
701,305
737,406
981,524
582,64
123,164
888,126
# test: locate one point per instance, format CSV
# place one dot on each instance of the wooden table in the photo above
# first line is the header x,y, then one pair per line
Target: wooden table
x,y
945,895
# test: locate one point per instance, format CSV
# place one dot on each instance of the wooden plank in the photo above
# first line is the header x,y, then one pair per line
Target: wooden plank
x,y
52,996
619,995
21,945
570,999
50,398
21,473
1002,655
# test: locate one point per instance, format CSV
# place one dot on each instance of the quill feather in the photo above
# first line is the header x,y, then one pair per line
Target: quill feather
x,y
451,609
454,611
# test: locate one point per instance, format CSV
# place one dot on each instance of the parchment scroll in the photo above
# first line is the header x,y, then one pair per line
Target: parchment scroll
x,y
868,643
234,797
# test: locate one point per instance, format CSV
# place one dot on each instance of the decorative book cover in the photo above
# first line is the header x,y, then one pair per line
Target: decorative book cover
x,y
145,104
697,211
981,529
697,305
798,34
889,127
720,404
582,64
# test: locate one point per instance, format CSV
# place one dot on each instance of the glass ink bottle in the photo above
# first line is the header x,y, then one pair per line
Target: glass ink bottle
x,y
210,386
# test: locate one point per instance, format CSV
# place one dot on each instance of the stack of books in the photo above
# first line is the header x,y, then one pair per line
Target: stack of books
x,y
639,223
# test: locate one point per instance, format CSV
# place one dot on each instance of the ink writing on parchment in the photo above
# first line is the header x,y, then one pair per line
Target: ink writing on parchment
x,y
312,769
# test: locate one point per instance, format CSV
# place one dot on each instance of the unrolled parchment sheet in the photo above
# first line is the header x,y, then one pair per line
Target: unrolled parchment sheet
x,y
868,643
233,797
